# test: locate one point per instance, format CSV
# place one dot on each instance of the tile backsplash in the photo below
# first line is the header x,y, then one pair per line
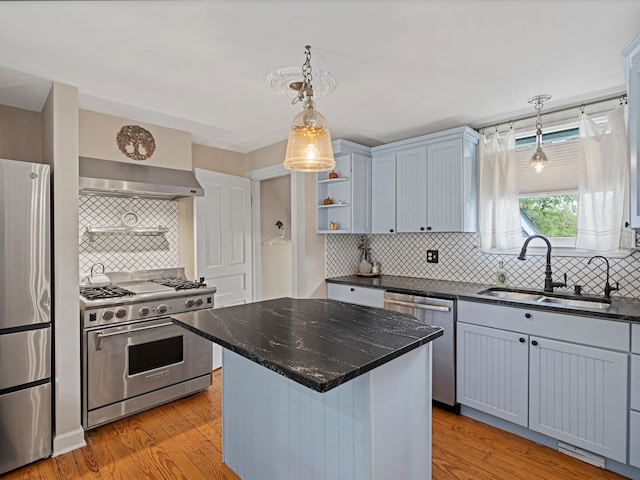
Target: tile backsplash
x,y
119,252
460,259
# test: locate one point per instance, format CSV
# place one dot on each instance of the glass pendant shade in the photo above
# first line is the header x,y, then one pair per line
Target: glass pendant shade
x,y
309,147
539,159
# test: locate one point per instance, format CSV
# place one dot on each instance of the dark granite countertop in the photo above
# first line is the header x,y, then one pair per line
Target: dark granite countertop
x,y
317,343
626,309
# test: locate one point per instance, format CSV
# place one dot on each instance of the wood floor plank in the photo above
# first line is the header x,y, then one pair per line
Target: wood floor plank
x,y
182,440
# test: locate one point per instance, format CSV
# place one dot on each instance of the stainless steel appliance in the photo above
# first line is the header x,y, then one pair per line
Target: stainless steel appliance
x,y
25,315
133,356
441,313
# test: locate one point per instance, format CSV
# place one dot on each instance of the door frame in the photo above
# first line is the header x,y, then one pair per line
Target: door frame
x,y
297,223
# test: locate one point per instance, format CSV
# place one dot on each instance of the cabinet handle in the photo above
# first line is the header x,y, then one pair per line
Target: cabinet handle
x,y
422,229
353,289
428,228
527,315
522,340
534,342
391,230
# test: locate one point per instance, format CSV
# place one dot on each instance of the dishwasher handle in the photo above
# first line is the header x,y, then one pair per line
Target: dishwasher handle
x,y
423,306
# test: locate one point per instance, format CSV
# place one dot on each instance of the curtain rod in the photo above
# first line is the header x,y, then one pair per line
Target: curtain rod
x,y
622,97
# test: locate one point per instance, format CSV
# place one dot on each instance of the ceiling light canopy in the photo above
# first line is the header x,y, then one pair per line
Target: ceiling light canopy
x,y
539,159
309,147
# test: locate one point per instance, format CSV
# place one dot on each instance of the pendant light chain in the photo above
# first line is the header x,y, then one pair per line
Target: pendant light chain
x,y
306,69
538,107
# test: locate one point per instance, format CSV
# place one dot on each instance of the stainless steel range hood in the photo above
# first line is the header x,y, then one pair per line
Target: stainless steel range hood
x,y
119,179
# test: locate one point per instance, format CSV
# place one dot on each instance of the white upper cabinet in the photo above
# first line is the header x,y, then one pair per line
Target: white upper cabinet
x,y
632,72
349,193
383,193
411,189
435,188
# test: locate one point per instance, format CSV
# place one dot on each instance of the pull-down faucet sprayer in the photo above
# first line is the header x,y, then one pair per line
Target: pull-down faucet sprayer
x,y
549,284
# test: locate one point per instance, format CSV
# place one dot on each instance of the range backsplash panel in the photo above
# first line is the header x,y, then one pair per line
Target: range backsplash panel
x,y
122,252
460,259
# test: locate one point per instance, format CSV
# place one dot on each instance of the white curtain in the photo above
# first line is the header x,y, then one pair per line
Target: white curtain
x,y
603,184
499,212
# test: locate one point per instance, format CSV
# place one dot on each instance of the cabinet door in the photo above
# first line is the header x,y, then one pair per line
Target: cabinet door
x,y
493,371
411,194
634,439
383,194
578,395
444,186
360,194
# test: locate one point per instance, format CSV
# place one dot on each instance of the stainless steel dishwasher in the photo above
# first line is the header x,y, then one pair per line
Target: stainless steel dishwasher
x,y
440,313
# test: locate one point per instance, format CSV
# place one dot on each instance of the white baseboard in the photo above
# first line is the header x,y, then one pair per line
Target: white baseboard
x,y
68,442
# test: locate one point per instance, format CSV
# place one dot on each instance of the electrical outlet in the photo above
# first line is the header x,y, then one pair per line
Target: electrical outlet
x,y
432,256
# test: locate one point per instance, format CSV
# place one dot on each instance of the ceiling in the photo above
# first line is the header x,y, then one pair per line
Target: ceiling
x,y
403,68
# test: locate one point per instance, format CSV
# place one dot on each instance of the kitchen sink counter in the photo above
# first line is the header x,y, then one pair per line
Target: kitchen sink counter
x,y
626,309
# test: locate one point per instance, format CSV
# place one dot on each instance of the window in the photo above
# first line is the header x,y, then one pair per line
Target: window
x,y
549,199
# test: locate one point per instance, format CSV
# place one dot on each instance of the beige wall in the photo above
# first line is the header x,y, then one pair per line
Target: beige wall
x,y
98,134
20,134
267,156
218,160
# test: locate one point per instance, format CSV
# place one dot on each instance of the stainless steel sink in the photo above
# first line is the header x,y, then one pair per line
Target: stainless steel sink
x,y
541,297
510,294
574,302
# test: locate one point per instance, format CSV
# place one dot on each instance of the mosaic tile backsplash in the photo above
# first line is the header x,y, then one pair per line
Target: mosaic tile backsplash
x,y
460,259
121,253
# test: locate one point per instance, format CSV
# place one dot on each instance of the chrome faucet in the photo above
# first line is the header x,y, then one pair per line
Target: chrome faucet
x,y
549,284
607,287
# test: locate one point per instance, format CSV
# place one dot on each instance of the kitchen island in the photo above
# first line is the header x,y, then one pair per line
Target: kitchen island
x,y
322,389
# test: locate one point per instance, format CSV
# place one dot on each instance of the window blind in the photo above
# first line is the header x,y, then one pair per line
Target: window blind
x,y
560,174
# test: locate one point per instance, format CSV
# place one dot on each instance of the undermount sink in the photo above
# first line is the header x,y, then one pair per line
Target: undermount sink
x,y
541,297
512,294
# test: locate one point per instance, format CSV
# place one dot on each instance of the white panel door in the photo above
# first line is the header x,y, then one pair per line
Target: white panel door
x,y
579,395
411,195
360,194
444,186
383,194
493,371
223,239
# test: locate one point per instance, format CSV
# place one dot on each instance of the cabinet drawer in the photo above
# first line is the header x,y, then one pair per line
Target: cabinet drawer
x,y
634,439
635,338
561,326
634,385
369,297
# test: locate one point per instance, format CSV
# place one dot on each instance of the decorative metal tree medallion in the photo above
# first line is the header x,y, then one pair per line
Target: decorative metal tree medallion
x,y
136,142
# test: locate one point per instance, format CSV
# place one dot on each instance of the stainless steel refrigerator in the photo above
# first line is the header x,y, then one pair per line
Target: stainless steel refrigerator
x,y
25,314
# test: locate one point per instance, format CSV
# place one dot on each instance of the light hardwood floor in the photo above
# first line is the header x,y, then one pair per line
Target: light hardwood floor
x,y
182,440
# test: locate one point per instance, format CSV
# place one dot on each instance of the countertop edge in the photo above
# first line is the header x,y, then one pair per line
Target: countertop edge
x,y
474,297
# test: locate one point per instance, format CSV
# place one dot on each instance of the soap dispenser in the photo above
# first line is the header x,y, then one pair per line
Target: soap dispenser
x,y
501,275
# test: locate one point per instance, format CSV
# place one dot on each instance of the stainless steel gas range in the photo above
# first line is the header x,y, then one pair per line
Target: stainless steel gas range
x,y
133,356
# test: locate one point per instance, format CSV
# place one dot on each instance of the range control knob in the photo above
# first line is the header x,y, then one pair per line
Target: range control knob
x,y
189,303
199,301
144,311
162,308
107,315
121,313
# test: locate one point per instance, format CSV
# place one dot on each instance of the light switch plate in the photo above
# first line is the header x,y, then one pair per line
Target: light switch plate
x,y
432,256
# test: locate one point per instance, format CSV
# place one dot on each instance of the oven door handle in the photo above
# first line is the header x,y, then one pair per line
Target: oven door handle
x,y
422,306
101,335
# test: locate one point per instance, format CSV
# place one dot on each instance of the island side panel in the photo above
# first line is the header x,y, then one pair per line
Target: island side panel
x,y
376,423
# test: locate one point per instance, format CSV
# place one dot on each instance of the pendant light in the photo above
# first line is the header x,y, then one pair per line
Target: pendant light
x,y
309,147
539,159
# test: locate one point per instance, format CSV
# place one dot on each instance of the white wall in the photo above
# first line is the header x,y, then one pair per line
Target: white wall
x,y
60,150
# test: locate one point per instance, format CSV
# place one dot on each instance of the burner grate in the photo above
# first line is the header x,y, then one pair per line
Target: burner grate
x,y
179,283
98,293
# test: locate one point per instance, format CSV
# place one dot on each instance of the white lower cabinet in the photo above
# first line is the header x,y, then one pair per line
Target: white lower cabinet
x,y
634,439
493,371
369,297
572,392
578,395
